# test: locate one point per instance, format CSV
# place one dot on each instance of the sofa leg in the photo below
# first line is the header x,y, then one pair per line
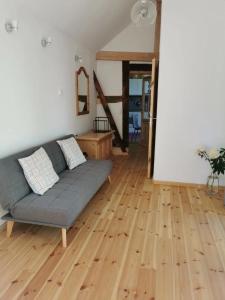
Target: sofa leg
x,y
9,228
64,239
109,179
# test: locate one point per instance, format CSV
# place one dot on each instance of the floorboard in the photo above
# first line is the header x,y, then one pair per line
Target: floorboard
x,y
134,240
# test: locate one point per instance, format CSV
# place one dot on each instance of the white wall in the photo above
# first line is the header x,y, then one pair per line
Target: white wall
x,y
134,39
110,76
31,109
131,39
191,102
116,110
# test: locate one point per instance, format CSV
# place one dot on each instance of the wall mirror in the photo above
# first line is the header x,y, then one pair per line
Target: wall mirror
x,y
82,88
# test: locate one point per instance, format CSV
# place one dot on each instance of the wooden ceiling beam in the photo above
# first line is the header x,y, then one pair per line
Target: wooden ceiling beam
x,y
125,56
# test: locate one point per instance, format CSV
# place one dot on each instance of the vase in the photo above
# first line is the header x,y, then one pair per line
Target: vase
x,y
213,184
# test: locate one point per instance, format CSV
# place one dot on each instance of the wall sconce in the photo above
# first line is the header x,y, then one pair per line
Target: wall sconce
x,y
11,26
45,42
78,59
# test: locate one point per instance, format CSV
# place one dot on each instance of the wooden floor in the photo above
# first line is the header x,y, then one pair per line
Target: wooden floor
x,y
133,241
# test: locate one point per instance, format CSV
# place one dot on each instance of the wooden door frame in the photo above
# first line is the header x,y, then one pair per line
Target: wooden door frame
x,y
127,67
154,120
125,103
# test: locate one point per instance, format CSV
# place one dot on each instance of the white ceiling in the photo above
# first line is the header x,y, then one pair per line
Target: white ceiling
x,y
90,22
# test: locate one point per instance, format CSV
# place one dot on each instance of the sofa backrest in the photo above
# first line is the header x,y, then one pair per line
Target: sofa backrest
x,y
13,184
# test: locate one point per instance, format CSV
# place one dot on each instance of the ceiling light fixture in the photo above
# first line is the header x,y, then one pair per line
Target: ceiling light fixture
x,y
144,12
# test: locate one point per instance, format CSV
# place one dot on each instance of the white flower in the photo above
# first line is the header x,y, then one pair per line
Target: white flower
x,y
201,150
213,153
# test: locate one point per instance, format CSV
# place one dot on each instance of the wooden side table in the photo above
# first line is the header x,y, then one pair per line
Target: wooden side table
x,y
96,145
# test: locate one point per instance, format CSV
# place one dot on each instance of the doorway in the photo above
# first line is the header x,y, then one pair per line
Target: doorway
x,y
140,107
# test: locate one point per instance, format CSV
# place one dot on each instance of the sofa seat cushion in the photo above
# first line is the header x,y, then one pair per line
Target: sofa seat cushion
x,y
61,205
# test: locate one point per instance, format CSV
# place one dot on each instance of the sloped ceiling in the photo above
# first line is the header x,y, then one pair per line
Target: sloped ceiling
x,y
90,22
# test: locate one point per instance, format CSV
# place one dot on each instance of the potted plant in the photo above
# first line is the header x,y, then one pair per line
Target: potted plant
x,y
216,159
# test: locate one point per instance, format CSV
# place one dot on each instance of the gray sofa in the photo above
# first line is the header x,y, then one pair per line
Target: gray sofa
x,y
58,207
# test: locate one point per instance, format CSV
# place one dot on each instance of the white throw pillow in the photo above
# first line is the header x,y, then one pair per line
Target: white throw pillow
x,y
39,171
71,150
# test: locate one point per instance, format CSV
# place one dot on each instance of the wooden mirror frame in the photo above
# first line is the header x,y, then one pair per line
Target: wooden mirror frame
x,y
82,69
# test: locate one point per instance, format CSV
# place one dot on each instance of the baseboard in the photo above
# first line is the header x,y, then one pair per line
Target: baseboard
x,y
182,184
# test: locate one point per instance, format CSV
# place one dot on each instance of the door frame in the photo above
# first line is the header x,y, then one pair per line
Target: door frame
x,y
128,67
125,103
152,118
155,121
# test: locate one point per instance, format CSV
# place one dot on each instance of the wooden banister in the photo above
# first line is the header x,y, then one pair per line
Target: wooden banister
x,y
108,113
